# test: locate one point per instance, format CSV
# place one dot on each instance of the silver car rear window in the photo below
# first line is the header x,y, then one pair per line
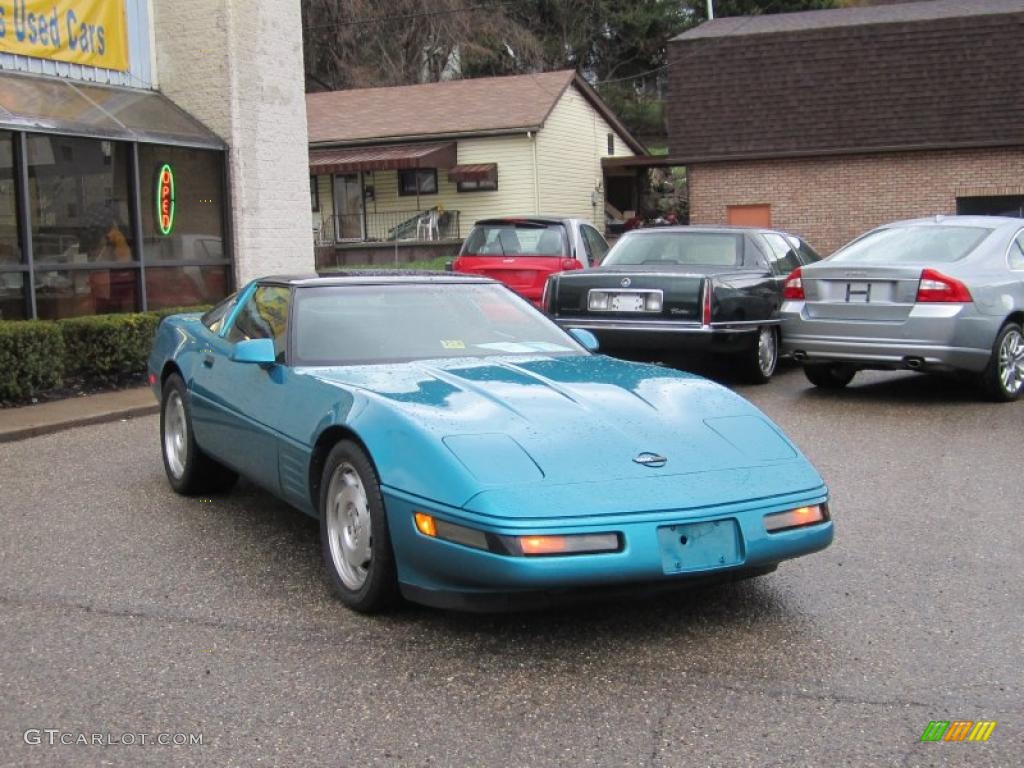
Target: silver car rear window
x,y
916,244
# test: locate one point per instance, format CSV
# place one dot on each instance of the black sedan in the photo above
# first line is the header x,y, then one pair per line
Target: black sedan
x,y
673,289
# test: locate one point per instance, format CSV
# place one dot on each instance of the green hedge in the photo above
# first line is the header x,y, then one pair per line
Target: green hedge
x,y
107,346
35,355
31,358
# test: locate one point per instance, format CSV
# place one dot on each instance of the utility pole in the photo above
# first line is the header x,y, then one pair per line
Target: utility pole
x,y
711,9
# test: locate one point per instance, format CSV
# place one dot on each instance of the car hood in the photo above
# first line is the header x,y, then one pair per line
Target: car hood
x,y
511,427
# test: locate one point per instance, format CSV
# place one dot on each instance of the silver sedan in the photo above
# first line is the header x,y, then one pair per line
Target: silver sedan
x,y
932,295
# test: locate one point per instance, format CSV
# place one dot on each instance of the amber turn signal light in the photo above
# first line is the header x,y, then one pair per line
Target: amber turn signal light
x,y
425,524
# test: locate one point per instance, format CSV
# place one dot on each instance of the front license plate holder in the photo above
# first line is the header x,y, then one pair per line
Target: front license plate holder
x,y
700,546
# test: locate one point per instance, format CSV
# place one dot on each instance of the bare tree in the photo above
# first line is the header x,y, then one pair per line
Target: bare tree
x,y
362,43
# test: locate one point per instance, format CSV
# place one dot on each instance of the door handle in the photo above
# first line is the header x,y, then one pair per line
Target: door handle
x,y
208,360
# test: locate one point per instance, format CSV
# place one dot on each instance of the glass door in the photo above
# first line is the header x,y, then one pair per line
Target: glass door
x,y
348,206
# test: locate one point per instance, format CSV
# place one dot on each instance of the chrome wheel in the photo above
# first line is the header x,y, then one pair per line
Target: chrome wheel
x,y
1011,362
349,528
767,351
175,434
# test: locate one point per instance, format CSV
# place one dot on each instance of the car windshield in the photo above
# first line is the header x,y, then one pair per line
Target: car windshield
x,y
925,244
719,249
516,239
359,324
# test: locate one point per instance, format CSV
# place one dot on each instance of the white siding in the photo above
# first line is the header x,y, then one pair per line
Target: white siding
x,y
569,151
515,194
514,157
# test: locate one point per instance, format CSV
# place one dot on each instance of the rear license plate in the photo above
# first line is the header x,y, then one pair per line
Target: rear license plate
x,y
627,302
699,546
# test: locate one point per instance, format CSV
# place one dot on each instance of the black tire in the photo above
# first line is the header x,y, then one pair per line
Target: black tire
x,y
343,546
758,363
829,375
996,384
189,471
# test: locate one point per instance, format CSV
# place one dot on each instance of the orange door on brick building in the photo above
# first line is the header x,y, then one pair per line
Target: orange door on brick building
x,y
749,215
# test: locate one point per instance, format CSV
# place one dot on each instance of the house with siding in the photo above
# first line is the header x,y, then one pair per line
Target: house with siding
x,y
828,123
401,173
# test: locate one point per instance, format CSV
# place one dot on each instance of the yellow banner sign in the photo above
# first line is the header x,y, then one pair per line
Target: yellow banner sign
x,y
91,32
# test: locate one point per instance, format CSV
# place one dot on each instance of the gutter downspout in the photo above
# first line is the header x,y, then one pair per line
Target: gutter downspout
x,y
532,136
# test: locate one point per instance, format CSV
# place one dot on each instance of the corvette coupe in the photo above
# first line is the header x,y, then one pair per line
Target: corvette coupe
x,y
461,450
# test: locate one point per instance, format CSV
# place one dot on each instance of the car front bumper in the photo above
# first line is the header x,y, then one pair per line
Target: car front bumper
x,y
936,337
446,574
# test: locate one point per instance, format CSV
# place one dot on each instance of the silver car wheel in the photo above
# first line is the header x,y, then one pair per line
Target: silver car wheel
x,y
1011,362
175,434
349,526
767,351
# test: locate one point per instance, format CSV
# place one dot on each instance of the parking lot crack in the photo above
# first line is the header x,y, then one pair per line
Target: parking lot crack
x,y
657,731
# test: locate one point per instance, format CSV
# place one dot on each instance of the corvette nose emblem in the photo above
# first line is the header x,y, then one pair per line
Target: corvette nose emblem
x,y
651,460
626,282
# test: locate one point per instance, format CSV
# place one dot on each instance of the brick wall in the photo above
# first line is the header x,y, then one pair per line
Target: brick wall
x,y
830,200
238,68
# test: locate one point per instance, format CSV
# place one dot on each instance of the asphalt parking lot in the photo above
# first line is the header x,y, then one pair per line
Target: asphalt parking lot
x,y
125,609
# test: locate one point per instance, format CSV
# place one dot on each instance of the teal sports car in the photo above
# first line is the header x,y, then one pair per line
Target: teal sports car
x,y
461,450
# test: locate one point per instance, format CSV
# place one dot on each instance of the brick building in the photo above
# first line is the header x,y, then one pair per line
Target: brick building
x,y
828,123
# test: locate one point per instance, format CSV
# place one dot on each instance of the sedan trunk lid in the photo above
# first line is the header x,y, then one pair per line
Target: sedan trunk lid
x,y
850,292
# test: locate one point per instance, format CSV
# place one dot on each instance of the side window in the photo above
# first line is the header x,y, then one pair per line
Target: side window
x,y
1017,252
806,254
596,245
264,316
784,258
214,319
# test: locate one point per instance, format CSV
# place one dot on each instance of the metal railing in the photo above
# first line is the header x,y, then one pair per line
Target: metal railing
x,y
414,226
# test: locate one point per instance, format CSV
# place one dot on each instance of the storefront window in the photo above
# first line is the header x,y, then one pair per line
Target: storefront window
x,y
185,286
80,210
73,292
192,226
10,252
78,201
12,284
12,295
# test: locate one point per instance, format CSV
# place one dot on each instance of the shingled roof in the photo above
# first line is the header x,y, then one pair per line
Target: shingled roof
x,y
450,109
918,75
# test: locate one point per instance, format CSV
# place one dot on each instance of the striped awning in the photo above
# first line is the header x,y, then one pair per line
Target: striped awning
x,y
382,157
473,172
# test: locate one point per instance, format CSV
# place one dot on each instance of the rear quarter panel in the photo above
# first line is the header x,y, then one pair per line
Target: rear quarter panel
x,y
997,290
744,296
176,342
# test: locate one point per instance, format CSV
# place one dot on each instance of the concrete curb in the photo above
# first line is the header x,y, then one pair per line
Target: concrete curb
x,y
23,433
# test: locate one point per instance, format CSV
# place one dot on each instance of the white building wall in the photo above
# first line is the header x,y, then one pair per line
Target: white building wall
x,y
515,183
569,151
513,155
212,59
